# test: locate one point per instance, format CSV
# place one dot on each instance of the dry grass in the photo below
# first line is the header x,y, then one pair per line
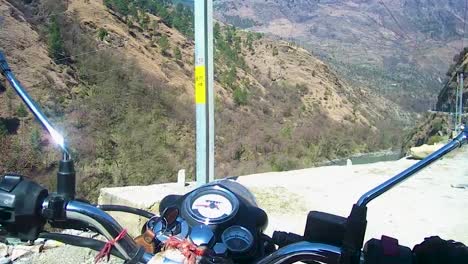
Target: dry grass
x,y
279,200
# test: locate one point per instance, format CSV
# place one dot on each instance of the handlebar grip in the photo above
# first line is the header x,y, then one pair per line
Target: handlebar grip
x,y
20,200
283,239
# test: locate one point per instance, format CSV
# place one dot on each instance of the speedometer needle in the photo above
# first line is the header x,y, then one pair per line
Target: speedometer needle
x,y
202,205
211,205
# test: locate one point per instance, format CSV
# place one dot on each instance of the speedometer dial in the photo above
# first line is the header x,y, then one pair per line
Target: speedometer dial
x,y
237,239
211,205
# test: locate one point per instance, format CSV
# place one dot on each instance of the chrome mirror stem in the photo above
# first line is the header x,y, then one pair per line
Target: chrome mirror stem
x,y
457,142
31,104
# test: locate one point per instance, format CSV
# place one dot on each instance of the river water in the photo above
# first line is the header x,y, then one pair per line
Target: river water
x,y
367,158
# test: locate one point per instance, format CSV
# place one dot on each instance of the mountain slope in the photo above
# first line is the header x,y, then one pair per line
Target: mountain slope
x,y
398,48
126,102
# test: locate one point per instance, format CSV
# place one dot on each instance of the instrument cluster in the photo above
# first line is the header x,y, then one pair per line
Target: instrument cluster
x,y
222,215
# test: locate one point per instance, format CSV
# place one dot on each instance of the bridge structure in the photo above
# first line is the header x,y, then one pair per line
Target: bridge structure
x,y
456,109
459,101
448,113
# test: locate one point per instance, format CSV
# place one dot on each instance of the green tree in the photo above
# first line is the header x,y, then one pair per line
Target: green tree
x,y
237,44
164,45
217,31
35,140
230,34
165,14
10,97
133,11
129,21
240,96
21,111
108,3
121,6
229,77
177,54
155,25
144,21
55,41
3,129
249,41
178,17
102,34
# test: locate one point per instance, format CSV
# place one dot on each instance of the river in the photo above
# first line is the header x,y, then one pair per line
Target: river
x,y
367,158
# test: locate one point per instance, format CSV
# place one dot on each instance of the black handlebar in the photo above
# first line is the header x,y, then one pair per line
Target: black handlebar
x,y
80,241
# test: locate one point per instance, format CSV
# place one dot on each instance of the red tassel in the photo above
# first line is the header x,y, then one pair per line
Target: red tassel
x,y
106,250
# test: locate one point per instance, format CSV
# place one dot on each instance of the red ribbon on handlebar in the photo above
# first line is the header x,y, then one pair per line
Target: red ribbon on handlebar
x,y
106,250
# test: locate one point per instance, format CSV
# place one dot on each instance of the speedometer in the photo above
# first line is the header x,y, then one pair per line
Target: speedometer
x,y
211,205
237,239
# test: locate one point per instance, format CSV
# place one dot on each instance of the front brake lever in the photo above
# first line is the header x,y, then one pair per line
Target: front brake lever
x,y
147,241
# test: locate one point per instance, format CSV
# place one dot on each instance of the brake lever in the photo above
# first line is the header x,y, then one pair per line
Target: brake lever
x,y
147,241
165,225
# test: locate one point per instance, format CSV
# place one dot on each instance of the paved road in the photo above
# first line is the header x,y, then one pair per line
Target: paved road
x,y
425,204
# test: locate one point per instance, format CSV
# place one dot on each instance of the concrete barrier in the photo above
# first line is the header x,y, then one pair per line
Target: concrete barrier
x,y
288,196
142,197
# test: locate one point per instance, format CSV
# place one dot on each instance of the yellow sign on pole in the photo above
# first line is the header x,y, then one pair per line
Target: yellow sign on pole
x,y
200,89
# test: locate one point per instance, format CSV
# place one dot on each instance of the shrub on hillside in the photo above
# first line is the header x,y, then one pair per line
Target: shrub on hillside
x,y
435,139
164,45
21,111
55,42
102,34
240,96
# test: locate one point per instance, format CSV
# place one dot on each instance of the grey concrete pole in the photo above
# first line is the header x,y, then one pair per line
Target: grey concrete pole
x,y
204,91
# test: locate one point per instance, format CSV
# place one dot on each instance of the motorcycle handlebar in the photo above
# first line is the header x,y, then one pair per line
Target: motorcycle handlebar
x,y
106,226
104,223
130,251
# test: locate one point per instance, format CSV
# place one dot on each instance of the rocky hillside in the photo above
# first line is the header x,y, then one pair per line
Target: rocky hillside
x,y
447,97
118,81
438,126
398,48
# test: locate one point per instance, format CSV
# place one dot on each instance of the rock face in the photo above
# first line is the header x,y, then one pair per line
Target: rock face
x,y
423,151
447,99
431,127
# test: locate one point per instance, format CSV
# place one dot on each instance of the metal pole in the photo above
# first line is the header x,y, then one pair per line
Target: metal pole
x,y
210,82
456,106
460,98
204,91
457,142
